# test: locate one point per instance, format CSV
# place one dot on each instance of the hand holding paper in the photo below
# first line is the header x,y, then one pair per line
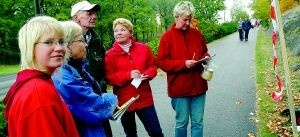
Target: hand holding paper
x,y
136,82
121,110
206,59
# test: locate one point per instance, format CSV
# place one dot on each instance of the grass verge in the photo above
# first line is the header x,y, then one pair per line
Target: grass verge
x,y
270,121
264,74
8,69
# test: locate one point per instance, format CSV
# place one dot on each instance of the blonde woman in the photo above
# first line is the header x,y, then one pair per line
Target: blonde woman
x,y
129,60
179,50
34,108
78,88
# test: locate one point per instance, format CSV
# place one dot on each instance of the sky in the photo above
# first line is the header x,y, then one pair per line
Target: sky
x,y
225,15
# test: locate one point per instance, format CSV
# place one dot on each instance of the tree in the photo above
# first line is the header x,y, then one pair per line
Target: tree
x,y
261,10
206,13
238,11
164,10
139,12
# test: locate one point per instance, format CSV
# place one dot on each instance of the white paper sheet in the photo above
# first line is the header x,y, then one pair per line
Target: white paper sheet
x,y
136,82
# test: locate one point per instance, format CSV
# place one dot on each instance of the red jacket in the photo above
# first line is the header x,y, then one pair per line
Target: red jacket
x,y
34,108
175,47
118,65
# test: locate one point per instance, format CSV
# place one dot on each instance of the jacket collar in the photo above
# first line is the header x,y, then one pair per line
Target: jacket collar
x,y
116,47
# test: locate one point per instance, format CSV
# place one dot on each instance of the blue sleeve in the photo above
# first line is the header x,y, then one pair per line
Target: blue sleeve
x,y
85,105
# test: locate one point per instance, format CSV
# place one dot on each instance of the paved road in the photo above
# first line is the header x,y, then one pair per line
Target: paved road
x,y
230,99
5,83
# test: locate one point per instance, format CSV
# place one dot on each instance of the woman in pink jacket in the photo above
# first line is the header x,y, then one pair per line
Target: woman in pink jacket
x,y
126,61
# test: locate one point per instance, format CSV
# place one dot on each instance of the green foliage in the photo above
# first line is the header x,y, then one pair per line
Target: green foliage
x,y
2,121
215,31
154,46
226,29
239,13
238,10
207,10
9,69
261,10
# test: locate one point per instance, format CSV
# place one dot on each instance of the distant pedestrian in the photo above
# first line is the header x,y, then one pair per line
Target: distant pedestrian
x,y
246,27
128,61
240,29
256,23
179,50
33,107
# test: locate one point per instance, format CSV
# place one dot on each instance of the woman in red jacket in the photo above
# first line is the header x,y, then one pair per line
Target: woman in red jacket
x,y
33,107
126,63
179,52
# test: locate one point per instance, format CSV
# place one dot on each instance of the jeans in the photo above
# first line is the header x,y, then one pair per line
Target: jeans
x,y
149,119
186,107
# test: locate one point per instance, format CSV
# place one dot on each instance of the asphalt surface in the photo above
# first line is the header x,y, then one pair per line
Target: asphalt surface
x,y
5,82
230,103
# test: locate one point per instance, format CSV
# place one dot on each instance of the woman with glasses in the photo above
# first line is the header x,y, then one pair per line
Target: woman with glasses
x,y
33,107
179,52
78,88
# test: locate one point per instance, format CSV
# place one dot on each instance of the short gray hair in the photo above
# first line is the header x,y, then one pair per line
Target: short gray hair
x,y
71,31
183,7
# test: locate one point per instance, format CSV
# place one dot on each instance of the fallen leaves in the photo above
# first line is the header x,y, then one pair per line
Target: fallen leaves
x,y
238,102
251,135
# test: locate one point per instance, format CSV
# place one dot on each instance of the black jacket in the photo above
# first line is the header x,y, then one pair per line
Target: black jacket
x,y
95,58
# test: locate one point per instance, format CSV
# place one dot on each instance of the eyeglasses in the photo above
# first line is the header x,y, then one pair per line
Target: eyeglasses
x,y
52,43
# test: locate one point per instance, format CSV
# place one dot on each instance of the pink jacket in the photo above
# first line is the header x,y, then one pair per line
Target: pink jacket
x,y
175,47
118,65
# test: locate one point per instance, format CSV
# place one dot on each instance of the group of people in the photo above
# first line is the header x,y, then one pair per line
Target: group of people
x,y
243,29
61,88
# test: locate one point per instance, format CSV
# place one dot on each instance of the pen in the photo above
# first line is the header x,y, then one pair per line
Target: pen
x,y
193,56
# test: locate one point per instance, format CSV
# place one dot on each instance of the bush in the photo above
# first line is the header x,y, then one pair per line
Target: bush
x,y
153,46
2,121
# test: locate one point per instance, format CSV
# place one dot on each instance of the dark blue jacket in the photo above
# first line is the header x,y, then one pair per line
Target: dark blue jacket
x,y
246,25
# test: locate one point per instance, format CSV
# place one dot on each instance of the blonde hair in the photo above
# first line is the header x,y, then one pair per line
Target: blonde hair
x,y
184,7
71,31
30,33
124,22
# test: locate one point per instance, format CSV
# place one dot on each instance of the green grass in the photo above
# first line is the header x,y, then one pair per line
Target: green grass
x,y
264,74
9,69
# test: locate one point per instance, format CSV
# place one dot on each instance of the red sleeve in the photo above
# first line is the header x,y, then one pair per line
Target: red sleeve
x,y
163,60
114,77
151,69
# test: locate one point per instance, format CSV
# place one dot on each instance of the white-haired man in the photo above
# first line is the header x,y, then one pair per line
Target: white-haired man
x,y
84,13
